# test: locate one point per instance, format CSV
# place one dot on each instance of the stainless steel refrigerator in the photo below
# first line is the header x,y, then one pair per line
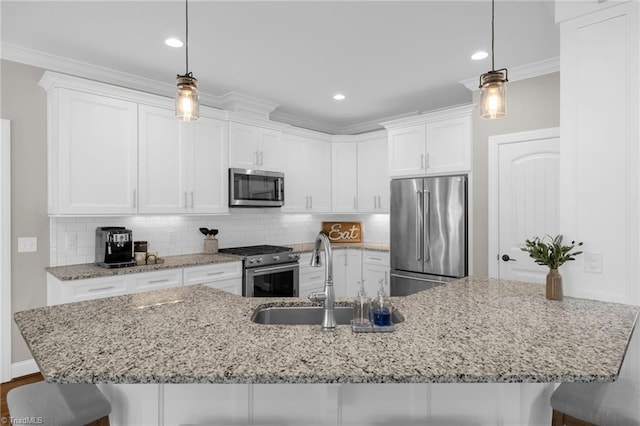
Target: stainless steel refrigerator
x,y
428,229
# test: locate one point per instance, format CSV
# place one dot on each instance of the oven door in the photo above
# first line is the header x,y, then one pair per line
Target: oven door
x,y
272,281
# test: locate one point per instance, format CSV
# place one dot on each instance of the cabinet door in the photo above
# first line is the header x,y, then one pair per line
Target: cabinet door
x,y
93,155
318,181
373,180
243,146
372,275
449,146
294,166
155,280
407,150
162,171
344,178
269,149
354,272
208,166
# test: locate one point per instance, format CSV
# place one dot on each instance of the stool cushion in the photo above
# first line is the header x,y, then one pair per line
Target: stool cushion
x,y
59,405
611,404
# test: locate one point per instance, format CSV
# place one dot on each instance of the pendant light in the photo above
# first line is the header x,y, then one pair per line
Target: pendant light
x,y
493,84
187,104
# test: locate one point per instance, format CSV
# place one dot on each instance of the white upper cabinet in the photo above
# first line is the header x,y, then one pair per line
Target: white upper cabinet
x,y
182,165
92,154
344,177
431,144
207,165
162,163
407,150
253,147
373,180
306,163
449,146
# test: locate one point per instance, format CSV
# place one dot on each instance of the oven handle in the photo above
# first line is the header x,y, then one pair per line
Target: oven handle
x,y
276,268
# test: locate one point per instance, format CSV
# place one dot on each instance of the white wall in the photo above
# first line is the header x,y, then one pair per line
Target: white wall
x,y
73,239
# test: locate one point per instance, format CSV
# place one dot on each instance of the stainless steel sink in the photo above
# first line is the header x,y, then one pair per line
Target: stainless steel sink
x,y
306,315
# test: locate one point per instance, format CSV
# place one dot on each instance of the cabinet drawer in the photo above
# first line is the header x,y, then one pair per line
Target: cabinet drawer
x,y
154,280
370,257
95,288
212,273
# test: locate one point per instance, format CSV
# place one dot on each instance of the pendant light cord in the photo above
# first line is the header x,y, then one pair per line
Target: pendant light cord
x,y
186,8
493,66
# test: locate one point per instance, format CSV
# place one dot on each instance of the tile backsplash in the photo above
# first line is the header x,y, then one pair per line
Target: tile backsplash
x,y
73,238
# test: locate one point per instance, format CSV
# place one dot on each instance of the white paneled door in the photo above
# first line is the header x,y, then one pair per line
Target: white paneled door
x,y
523,200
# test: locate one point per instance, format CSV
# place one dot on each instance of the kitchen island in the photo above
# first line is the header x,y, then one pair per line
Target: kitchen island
x,y
468,331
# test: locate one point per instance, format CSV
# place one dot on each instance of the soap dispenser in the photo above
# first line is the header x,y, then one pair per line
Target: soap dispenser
x,y
381,309
361,308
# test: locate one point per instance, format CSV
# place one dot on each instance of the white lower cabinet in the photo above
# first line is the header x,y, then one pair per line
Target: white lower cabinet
x,y
375,268
223,276
347,271
478,404
311,277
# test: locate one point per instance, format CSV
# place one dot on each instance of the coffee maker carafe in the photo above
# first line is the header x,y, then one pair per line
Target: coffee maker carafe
x,y
114,247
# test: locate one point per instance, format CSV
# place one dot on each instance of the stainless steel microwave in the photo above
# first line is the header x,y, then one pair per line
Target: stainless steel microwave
x,y
255,188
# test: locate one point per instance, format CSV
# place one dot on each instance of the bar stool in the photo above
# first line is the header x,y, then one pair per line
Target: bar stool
x,y
52,404
607,404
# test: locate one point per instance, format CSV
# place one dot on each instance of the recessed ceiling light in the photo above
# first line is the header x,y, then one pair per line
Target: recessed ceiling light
x,y
173,42
479,55
339,97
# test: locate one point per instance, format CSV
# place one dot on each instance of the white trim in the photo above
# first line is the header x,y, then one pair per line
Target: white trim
x,y
493,201
23,368
523,72
5,250
429,116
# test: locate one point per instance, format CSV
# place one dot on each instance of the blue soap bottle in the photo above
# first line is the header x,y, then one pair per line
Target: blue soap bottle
x,y
381,308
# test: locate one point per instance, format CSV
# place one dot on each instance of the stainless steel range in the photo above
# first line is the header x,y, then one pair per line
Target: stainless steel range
x,y
269,271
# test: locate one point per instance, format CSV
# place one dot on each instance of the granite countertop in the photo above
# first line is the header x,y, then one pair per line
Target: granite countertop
x,y
308,247
90,270
470,330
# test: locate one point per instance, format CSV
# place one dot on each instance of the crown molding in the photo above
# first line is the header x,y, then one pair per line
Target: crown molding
x,y
523,72
239,102
304,122
429,116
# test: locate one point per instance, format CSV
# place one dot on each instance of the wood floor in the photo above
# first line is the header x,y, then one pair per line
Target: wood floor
x,y
6,387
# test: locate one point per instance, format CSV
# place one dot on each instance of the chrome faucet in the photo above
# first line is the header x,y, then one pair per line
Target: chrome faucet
x,y
327,296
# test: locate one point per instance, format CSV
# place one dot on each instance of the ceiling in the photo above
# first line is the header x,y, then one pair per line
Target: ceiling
x,y
388,58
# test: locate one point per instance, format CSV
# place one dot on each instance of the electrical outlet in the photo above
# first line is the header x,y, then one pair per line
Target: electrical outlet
x,y
71,240
593,262
27,244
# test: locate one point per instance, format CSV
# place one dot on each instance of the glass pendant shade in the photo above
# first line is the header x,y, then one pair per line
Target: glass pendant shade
x,y
493,94
187,102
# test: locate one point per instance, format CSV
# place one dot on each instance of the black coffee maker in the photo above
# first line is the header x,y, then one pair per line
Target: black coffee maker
x,y
114,247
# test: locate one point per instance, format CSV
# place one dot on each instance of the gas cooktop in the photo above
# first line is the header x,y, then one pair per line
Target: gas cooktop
x,y
255,250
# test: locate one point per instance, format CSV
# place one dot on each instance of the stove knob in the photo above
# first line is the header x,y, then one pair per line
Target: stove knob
x,y
276,258
252,260
259,260
294,256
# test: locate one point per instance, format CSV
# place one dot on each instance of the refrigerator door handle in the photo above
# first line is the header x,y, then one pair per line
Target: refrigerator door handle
x,y
419,224
426,230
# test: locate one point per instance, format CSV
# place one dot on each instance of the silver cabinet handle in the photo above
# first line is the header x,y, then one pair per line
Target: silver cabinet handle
x,y
379,202
375,202
257,160
310,201
135,198
306,202
355,203
192,202
215,273
427,161
159,281
93,290
375,258
261,158
185,199
421,161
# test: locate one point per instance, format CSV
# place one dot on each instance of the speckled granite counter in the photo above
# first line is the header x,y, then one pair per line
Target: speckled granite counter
x,y
307,247
90,270
470,330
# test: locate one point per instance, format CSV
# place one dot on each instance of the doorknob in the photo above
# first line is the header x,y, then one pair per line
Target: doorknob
x,y
506,258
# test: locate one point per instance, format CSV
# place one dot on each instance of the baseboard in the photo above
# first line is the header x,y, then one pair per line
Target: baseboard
x,y
22,368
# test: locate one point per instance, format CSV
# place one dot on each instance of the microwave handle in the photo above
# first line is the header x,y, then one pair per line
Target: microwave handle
x,y
279,189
